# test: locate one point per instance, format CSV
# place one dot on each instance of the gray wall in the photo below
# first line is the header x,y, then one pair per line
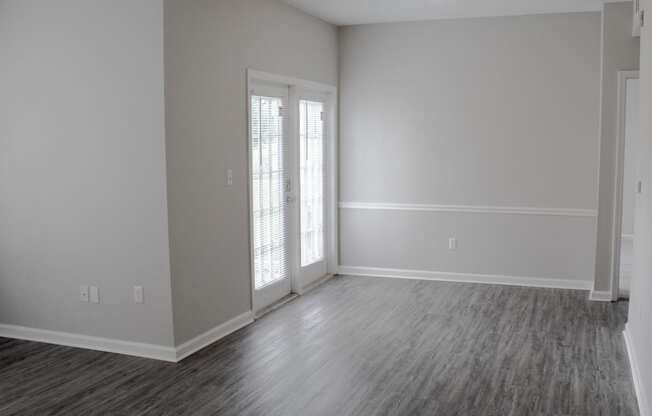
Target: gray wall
x,y
82,167
640,306
620,51
208,46
481,112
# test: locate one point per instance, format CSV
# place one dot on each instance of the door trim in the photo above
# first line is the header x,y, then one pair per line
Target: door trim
x,y
331,221
619,173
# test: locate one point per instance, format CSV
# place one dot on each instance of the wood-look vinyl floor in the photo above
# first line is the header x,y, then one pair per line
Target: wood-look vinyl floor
x,y
358,346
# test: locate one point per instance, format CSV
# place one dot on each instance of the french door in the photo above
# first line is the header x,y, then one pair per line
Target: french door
x,y
312,263
269,194
287,153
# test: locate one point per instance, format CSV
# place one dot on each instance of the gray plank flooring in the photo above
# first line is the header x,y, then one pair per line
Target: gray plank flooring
x,y
358,346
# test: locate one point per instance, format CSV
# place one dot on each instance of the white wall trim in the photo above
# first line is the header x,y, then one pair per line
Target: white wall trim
x,y
636,376
284,80
467,277
627,237
567,212
619,174
137,349
213,335
157,352
600,296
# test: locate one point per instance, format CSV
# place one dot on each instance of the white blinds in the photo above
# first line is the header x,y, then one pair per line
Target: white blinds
x,y
269,205
311,170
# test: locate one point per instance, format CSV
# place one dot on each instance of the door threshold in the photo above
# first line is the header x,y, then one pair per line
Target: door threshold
x,y
314,285
275,305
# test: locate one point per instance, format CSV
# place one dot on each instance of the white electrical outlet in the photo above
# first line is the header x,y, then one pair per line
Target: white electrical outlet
x,y
83,293
452,243
138,294
229,177
95,294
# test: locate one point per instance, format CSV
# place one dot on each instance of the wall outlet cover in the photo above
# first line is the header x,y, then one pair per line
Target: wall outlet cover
x,y
83,293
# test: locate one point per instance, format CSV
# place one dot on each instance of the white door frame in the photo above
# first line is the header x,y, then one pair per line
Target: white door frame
x,y
331,220
619,172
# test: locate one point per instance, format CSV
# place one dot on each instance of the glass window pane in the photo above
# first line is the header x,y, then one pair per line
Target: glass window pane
x,y
268,202
311,171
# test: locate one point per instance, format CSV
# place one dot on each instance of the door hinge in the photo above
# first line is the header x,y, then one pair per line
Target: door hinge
x,y
322,116
641,16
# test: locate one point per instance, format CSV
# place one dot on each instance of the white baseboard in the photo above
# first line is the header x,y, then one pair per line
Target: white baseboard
x,y
601,296
636,376
157,352
467,277
213,335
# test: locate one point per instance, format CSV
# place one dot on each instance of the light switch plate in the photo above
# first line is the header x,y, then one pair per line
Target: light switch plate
x,y
138,294
452,243
94,294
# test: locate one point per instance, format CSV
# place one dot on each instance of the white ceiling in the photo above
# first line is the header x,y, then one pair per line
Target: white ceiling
x,y
351,12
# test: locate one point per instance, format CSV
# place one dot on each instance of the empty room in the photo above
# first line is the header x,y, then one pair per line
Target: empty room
x,y
325,207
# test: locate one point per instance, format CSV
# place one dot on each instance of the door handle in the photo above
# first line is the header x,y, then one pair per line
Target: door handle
x,y
290,199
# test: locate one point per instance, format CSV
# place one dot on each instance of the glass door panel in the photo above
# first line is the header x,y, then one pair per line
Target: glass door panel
x,y
269,211
311,132
311,172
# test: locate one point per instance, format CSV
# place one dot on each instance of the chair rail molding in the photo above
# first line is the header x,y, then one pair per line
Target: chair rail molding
x,y
477,209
